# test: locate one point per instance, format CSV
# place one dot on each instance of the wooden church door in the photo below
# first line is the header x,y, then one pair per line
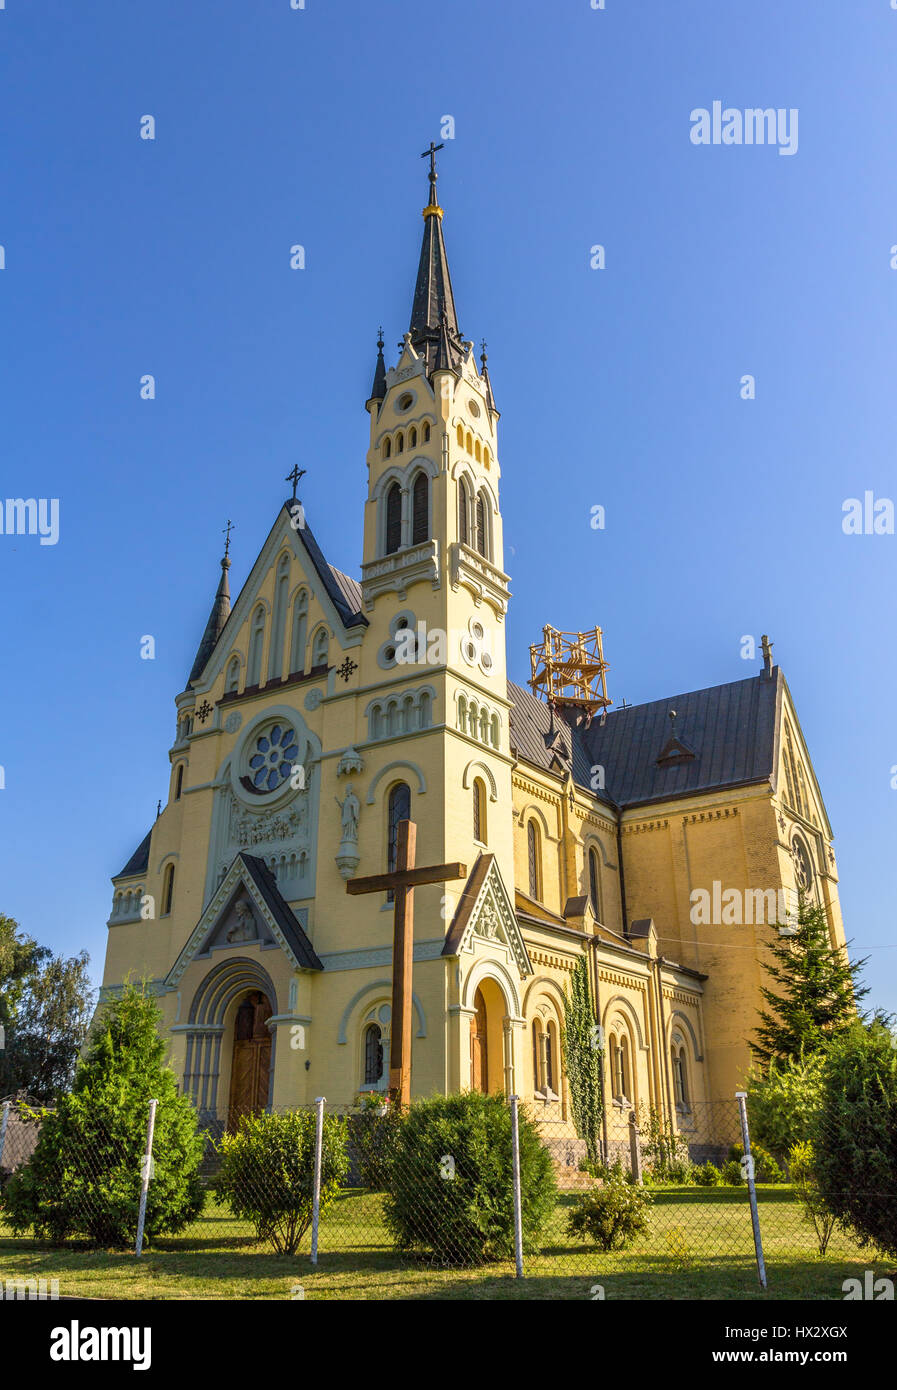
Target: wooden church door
x,y
479,1060
251,1060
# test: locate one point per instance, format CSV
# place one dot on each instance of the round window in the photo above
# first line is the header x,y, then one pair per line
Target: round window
x,y
473,408
406,401
272,755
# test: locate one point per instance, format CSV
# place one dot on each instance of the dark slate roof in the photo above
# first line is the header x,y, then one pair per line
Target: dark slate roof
x,y
139,860
266,883
215,625
344,592
349,588
434,322
731,729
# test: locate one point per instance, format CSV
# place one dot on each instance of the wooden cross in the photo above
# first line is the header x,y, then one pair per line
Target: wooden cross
x,y
402,881
294,477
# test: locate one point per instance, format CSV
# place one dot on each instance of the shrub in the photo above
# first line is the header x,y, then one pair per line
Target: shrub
x,y
665,1151
451,1180
855,1134
268,1168
730,1173
610,1216
765,1167
707,1175
373,1130
781,1101
806,1186
85,1174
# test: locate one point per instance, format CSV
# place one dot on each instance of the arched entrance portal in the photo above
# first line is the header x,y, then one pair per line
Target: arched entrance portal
x,y
488,1063
251,1064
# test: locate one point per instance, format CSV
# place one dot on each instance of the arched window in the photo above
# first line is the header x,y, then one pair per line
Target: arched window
x,y
400,442
534,856
398,808
486,458
300,624
278,619
468,442
420,509
551,1056
320,647
481,539
680,1076
463,513
424,710
387,447
477,451
462,713
426,431
373,1054
460,436
412,438
538,1056
256,642
393,519
179,782
594,882
494,731
479,811
232,684
167,890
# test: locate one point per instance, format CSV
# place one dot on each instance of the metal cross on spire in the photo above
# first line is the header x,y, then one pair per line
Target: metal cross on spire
x,y
294,477
226,533
433,175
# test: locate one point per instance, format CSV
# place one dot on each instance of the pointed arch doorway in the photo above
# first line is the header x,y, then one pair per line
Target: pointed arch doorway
x,y
251,1063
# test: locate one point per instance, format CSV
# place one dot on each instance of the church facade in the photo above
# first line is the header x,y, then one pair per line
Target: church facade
x,y
323,709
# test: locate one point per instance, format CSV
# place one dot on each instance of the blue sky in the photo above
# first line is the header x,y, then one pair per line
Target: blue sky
x,y
618,387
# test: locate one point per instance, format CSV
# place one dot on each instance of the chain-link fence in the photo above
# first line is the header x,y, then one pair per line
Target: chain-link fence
x,y
454,1198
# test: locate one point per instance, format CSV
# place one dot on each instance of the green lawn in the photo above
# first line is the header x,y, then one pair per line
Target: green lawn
x,y
699,1247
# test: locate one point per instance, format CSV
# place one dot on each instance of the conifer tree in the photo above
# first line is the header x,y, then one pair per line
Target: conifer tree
x,y
814,991
84,1176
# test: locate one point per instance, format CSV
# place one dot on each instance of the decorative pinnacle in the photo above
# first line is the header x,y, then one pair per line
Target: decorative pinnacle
x,y
432,207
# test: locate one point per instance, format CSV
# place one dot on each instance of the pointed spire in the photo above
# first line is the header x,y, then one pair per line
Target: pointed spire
x,y
217,618
433,297
378,390
490,399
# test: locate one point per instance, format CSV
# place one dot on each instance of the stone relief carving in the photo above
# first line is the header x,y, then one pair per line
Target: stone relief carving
x,y
245,928
249,828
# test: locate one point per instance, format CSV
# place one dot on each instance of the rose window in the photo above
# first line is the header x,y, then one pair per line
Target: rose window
x,y
273,758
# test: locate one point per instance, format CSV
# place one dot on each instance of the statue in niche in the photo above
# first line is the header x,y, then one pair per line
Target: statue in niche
x,y
350,810
244,929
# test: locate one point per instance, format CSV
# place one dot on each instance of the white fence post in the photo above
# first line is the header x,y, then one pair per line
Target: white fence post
x,y
3,1123
145,1176
316,1201
741,1097
518,1215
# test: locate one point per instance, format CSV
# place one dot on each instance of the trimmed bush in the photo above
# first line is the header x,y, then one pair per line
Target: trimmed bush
x,y
610,1216
268,1170
451,1180
730,1174
707,1175
84,1176
855,1134
765,1167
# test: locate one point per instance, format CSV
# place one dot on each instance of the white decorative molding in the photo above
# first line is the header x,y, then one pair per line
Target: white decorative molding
x,y
396,573
485,581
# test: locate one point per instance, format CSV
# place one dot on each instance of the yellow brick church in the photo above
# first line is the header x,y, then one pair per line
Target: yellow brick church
x,y
323,709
